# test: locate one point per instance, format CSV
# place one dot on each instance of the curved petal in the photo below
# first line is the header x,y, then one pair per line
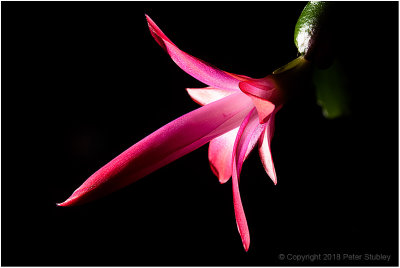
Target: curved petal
x,y
248,135
197,68
220,155
163,146
207,95
262,96
265,148
263,88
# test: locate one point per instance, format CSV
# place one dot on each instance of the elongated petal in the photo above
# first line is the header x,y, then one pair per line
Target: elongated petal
x,y
240,217
163,146
248,135
197,68
220,155
265,148
262,97
207,95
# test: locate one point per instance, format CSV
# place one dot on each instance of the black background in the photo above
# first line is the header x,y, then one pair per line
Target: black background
x,y
83,81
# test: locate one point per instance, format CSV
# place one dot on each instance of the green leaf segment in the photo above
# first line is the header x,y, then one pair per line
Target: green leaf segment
x,y
314,37
309,26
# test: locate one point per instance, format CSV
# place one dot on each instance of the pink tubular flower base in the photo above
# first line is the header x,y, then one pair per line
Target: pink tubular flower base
x,y
238,113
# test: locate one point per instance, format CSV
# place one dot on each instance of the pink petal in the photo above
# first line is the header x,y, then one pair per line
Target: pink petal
x,y
157,34
265,148
197,68
248,135
220,155
163,146
263,97
207,95
264,88
241,221
221,149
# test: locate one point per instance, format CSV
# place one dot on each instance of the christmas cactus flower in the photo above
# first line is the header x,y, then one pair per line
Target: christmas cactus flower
x,y
237,113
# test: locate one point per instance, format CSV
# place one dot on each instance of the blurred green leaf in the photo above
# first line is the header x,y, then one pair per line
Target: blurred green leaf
x,y
332,91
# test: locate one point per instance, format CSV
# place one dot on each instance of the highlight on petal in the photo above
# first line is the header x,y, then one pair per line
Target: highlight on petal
x,y
248,135
207,95
265,148
195,67
220,155
163,146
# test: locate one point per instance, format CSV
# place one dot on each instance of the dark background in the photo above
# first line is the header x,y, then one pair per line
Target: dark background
x,y
83,81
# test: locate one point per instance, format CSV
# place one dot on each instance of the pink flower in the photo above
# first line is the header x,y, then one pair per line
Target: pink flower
x,y
238,112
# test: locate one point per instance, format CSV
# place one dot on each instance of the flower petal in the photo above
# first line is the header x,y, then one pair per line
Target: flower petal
x,y
262,97
220,155
263,88
207,95
248,135
197,68
241,221
265,148
221,149
163,146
